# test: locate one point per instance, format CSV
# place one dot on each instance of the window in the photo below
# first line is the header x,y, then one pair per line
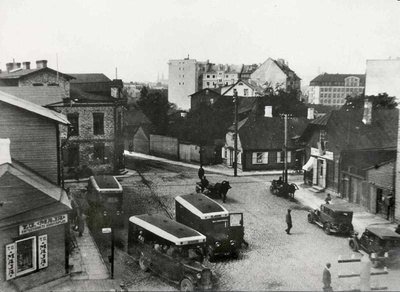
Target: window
x,y
213,76
259,158
73,129
71,156
99,153
208,76
246,92
25,255
208,84
53,84
281,157
37,84
211,100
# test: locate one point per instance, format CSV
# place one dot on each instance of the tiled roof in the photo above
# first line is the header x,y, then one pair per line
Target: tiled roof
x,y
336,77
89,77
32,107
28,196
268,133
24,72
40,95
350,132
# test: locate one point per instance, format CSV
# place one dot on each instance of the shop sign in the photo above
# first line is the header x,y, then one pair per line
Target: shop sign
x,y
316,152
43,262
10,261
43,224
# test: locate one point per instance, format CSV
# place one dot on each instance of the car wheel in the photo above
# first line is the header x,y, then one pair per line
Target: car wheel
x,y
310,219
327,229
353,245
142,265
187,285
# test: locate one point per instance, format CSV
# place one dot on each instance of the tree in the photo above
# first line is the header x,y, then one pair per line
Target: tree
x,y
382,100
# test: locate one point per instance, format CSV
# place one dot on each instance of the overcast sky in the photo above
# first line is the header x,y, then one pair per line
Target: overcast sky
x,y
139,37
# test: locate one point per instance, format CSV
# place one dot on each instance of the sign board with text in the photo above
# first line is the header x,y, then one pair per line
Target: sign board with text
x,y
43,224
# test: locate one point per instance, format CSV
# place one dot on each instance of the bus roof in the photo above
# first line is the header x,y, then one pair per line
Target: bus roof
x,y
168,229
105,183
202,206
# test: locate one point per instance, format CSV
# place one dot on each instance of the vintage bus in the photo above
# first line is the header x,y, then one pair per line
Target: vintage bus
x,y
105,198
224,230
170,249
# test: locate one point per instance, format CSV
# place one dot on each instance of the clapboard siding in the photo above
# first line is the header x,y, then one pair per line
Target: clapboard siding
x,y
33,139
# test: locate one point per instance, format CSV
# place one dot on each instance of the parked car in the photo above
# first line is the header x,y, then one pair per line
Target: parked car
x,y
224,230
376,239
332,218
170,249
105,199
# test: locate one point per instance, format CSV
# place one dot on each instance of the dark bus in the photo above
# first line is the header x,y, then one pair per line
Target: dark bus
x,y
170,249
224,230
105,195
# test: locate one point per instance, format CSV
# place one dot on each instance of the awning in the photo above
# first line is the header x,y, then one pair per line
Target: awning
x,y
309,165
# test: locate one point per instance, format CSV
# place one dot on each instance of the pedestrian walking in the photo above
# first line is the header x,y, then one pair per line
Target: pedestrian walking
x,y
328,199
201,172
81,223
326,278
204,183
288,221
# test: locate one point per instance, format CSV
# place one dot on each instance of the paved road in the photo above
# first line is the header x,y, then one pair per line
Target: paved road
x,y
274,260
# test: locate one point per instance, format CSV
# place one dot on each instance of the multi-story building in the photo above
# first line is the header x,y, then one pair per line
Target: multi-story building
x,y
332,89
184,80
187,76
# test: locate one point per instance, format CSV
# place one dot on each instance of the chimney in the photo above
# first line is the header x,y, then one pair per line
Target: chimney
x,y
281,61
268,111
9,66
26,65
41,64
310,113
5,156
367,116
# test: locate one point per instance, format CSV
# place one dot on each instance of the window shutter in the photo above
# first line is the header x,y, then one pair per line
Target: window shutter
x,y
265,158
223,152
239,157
278,157
289,156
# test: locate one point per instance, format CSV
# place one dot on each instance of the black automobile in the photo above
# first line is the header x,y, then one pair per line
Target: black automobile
x,y
332,218
378,240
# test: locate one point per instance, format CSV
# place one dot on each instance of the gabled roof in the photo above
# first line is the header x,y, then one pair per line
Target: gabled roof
x,y
34,108
268,133
285,68
246,104
252,85
89,77
25,72
40,95
26,196
135,117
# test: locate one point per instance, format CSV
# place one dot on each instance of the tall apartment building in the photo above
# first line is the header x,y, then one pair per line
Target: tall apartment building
x,y
184,79
332,89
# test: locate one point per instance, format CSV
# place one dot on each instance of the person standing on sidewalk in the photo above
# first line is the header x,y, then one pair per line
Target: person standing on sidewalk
x,y
328,199
201,172
326,278
288,221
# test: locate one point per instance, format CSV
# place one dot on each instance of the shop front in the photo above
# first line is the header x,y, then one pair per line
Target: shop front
x,y
321,165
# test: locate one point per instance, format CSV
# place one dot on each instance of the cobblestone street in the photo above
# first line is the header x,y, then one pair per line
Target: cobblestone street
x,y
273,261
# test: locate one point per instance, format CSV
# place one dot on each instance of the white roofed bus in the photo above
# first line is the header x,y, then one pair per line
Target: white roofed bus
x,y
224,230
170,249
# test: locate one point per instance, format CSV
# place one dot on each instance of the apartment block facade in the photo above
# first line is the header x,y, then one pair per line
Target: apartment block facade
x,y
332,89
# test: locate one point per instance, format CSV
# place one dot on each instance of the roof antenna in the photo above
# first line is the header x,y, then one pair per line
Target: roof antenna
x,y
116,73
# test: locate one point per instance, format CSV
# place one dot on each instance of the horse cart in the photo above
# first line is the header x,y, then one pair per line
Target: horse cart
x,y
283,189
214,191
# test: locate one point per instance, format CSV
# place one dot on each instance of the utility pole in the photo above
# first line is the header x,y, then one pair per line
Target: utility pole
x,y
235,100
285,172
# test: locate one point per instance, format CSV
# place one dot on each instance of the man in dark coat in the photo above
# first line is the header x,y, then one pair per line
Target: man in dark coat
x,y
326,278
288,221
204,183
201,172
